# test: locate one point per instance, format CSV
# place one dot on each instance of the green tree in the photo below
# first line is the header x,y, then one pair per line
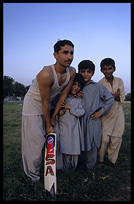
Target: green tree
x,y
128,97
10,87
7,86
19,89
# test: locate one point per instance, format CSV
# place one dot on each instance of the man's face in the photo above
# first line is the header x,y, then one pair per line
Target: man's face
x,y
65,55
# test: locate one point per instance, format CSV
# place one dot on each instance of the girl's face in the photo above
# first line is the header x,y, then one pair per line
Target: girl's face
x,y
87,75
75,88
108,71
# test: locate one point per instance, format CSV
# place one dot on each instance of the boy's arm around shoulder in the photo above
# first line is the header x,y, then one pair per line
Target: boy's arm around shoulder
x,y
107,99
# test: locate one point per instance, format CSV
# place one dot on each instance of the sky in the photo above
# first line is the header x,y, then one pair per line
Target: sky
x,y
97,30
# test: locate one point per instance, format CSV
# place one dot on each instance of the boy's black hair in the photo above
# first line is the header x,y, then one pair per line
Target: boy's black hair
x,y
86,64
79,78
107,61
61,43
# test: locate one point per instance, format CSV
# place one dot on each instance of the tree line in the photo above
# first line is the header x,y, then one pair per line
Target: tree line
x,y
14,88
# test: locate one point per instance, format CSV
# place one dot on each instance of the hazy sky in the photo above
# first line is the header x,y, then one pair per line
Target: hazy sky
x,y
98,30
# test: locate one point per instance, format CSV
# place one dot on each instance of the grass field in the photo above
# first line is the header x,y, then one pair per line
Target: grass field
x,y
102,183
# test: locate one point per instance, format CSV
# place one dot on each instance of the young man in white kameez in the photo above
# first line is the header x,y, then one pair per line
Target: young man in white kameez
x,y
113,121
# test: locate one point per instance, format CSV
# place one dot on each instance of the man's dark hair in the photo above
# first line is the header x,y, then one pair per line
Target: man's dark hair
x,y
107,61
61,43
86,64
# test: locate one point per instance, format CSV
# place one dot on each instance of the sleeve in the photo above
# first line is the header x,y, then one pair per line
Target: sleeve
x,y
122,91
107,100
77,109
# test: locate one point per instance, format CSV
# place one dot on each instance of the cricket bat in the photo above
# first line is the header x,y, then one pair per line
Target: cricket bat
x,y
50,184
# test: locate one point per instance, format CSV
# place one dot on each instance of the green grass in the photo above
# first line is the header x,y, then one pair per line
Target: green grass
x,y
102,183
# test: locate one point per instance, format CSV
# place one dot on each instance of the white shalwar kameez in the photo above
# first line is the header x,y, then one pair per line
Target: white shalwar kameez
x,y
33,126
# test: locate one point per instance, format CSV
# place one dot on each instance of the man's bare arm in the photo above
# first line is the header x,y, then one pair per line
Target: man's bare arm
x,y
45,82
63,95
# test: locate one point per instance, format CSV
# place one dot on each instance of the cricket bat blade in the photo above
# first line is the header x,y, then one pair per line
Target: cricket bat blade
x,y
50,183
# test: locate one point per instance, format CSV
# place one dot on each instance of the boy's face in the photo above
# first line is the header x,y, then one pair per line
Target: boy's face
x,y
87,75
75,88
108,71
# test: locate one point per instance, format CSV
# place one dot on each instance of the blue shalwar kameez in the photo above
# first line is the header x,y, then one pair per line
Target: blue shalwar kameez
x,y
96,97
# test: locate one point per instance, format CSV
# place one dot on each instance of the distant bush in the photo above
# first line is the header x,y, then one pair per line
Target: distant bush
x,y
128,97
13,88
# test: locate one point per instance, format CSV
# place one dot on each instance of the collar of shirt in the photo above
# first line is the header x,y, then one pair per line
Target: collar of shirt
x,y
91,82
107,80
74,96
